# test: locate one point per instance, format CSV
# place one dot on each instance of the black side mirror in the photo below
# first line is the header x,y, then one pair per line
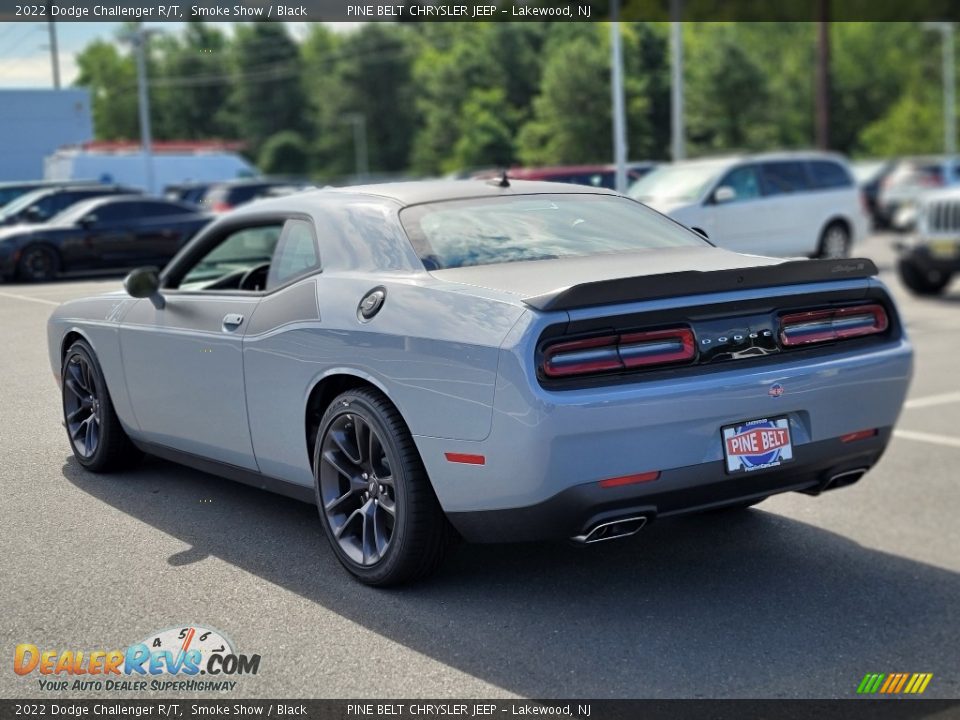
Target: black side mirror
x,y
701,231
34,214
145,283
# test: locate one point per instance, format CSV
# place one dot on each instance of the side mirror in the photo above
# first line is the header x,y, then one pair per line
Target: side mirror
x,y
88,220
724,194
145,283
34,214
702,232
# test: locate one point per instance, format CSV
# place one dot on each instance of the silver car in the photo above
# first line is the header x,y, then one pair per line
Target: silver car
x,y
498,360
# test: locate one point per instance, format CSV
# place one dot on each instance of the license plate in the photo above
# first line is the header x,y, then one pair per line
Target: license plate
x,y
946,249
757,444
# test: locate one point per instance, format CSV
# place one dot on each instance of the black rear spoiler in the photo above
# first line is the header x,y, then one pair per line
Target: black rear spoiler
x,y
695,282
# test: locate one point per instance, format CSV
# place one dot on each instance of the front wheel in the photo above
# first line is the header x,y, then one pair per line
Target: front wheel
x,y
920,281
376,503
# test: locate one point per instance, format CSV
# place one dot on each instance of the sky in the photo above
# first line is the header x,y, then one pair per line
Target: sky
x,y
25,55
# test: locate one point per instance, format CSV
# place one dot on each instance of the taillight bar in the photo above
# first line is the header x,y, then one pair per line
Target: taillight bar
x,y
619,352
819,326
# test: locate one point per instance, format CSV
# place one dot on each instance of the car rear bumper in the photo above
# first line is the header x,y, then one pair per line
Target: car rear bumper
x,y
816,467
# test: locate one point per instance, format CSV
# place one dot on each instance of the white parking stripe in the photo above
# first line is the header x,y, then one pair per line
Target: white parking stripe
x,y
932,400
28,298
945,440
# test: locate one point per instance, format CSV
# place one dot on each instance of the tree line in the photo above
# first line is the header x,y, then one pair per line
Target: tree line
x,y
447,97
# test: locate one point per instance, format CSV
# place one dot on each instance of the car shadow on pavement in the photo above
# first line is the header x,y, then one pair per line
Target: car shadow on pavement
x,y
751,604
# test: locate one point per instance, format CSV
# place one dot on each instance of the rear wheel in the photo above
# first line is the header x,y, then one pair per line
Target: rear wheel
x,y
376,503
835,241
38,263
98,440
921,281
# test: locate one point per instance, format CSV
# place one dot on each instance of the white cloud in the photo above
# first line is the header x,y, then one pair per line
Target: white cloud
x,y
35,70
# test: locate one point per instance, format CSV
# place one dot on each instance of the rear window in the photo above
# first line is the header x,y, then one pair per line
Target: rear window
x,y
487,231
826,175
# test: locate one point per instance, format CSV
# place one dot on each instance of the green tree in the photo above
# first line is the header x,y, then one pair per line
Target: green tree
x,y
571,116
285,153
486,131
267,91
728,100
112,80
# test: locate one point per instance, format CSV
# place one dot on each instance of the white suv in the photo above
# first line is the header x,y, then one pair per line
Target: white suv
x,y
784,204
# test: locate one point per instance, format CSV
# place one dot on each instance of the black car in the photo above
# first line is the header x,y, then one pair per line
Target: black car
x,y
102,234
10,191
42,205
191,192
228,195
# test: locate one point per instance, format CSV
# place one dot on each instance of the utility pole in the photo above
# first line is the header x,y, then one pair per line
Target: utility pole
x,y
949,90
619,113
143,92
822,91
54,54
677,132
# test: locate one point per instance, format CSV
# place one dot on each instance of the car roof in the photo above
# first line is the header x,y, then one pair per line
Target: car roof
x,y
424,191
764,157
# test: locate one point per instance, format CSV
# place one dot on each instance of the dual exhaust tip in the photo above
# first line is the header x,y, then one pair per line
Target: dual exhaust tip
x,y
612,530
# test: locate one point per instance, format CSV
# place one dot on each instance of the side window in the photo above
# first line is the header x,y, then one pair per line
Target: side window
x,y
826,174
296,253
153,209
784,177
238,252
115,212
744,181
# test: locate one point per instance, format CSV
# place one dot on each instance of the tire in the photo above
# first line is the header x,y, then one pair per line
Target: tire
x,y
98,441
920,281
383,532
38,263
834,241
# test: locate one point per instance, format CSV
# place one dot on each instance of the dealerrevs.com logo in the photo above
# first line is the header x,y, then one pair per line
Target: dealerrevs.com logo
x,y
187,658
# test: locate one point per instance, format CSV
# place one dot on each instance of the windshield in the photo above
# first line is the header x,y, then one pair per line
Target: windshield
x,y
687,181
485,231
21,203
71,214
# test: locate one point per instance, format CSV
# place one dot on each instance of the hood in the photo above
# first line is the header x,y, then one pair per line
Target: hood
x,y
537,277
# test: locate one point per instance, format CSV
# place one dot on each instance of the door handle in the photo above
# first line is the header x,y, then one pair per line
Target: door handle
x,y
231,321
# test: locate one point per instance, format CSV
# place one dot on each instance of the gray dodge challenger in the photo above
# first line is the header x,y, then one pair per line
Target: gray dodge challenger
x,y
498,361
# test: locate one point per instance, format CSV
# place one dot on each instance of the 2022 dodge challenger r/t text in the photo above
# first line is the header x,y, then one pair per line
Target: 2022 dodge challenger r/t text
x,y
504,361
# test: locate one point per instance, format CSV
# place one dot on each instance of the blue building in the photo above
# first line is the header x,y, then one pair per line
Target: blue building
x,y
34,123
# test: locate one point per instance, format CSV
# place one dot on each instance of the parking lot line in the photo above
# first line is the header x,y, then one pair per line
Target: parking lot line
x,y
945,440
27,298
932,400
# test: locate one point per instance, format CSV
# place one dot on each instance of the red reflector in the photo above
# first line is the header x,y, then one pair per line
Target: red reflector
x,y
630,479
836,324
859,435
466,459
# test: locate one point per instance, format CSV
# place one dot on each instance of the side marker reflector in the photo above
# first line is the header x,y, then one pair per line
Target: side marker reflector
x,y
630,479
466,458
859,435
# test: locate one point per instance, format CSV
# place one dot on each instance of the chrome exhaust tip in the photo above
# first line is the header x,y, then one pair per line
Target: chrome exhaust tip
x,y
848,477
612,529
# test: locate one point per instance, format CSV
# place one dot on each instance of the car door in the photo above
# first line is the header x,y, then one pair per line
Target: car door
x,y
744,220
796,221
160,230
183,362
108,233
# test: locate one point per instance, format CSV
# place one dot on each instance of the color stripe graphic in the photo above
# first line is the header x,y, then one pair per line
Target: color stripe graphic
x,y
894,683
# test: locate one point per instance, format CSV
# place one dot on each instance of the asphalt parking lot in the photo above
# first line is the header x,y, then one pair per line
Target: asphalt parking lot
x,y
797,598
